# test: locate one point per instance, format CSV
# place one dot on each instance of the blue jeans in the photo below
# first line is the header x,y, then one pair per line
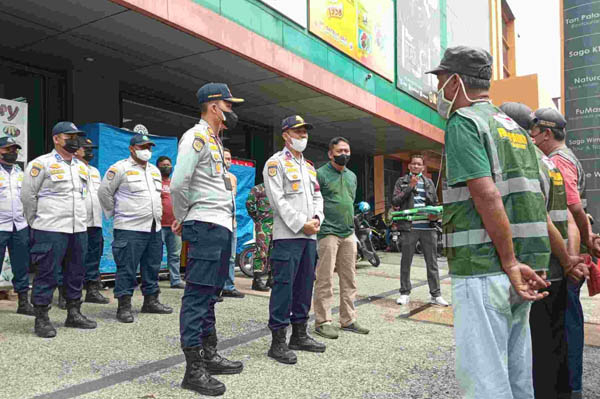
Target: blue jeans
x,y
493,340
18,248
229,285
574,332
173,243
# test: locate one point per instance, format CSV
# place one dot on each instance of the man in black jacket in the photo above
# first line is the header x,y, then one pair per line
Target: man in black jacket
x,y
415,191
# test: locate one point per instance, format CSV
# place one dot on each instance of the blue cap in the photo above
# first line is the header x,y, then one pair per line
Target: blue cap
x,y
67,128
8,141
216,91
140,139
293,122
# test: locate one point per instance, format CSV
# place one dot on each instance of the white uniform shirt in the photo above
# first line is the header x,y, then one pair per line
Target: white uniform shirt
x,y
11,207
92,203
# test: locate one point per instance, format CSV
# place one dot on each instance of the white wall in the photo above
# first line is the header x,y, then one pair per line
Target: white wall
x,y
468,23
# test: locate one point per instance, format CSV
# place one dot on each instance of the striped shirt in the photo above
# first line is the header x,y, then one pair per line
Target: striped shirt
x,y
419,202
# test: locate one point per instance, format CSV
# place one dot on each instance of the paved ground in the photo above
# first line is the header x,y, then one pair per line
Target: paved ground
x,y
408,354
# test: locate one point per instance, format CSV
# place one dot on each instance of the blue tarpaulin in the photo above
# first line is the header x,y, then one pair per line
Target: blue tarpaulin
x,y
245,225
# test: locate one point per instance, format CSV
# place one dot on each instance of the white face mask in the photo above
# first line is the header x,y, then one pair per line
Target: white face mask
x,y
143,155
299,144
445,106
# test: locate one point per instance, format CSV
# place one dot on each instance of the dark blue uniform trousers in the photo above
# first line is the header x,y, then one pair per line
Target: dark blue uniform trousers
x,y
92,257
49,251
293,262
209,249
18,248
575,335
133,248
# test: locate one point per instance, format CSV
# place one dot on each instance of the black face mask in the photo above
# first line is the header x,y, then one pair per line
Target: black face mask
x,y
342,159
231,119
71,145
165,171
10,157
88,155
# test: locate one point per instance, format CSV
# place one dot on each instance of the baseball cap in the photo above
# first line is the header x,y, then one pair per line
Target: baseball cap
x,y
549,117
470,61
519,113
140,139
294,121
8,141
216,91
66,127
86,143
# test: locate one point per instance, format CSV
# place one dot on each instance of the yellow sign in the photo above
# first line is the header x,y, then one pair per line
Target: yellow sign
x,y
362,29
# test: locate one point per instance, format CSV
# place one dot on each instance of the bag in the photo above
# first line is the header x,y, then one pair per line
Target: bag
x,y
593,281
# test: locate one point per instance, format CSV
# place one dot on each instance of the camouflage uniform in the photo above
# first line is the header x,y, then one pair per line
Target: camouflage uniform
x,y
260,211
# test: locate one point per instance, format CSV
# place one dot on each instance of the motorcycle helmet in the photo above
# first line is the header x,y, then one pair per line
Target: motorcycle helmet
x,y
364,207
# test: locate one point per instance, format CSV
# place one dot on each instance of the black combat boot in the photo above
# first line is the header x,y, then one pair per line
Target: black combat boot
x,y
62,301
257,283
74,317
215,363
124,314
196,377
152,305
92,293
279,349
301,341
43,327
24,306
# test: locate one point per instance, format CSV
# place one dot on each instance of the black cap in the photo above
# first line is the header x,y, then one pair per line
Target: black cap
x,y
86,143
470,61
216,91
140,139
67,128
8,141
549,117
519,113
293,122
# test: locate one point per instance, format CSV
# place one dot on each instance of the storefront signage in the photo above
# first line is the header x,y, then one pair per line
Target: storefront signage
x,y
362,29
13,123
418,48
295,10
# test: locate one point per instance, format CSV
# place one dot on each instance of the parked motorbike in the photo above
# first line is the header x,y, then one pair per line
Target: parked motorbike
x,y
395,239
378,230
363,233
440,241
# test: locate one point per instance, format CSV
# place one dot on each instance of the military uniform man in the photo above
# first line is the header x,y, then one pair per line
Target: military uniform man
x,y
260,211
203,202
14,232
53,195
294,193
130,191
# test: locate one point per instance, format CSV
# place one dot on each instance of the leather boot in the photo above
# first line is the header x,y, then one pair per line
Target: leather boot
x,y
92,293
215,363
62,302
152,305
24,306
279,349
196,377
301,341
43,326
257,283
74,317
124,314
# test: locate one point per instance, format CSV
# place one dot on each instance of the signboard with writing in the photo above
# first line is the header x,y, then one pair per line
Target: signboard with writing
x,y
295,10
362,29
13,123
581,23
419,48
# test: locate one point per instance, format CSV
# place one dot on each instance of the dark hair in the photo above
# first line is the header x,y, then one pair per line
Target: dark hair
x,y
225,149
163,158
472,83
336,140
413,156
559,134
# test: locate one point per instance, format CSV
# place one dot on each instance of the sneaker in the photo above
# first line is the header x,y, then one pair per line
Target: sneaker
x,y
403,300
180,285
232,294
438,300
356,328
327,331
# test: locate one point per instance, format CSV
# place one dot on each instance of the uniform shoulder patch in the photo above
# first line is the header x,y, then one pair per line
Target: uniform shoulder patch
x,y
36,167
272,169
272,163
198,143
111,173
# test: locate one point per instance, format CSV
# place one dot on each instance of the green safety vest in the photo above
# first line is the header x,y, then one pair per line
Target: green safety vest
x,y
566,153
553,187
515,172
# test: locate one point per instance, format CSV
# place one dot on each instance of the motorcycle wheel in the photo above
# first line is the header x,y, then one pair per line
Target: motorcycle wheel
x,y
419,248
245,261
374,259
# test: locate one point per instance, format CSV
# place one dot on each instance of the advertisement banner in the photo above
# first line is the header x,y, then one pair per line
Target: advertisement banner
x,y
362,29
295,10
419,48
581,23
13,122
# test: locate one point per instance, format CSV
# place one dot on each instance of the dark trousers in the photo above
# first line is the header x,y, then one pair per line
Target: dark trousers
x,y
428,240
575,335
133,248
94,254
293,262
18,248
549,345
209,250
50,250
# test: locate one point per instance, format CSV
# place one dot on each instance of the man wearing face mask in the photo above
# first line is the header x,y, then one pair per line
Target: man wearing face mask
x,y
492,249
14,232
53,194
337,245
295,196
416,191
170,238
204,204
130,191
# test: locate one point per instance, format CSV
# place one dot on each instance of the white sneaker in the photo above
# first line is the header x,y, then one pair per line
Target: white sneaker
x,y
403,300
438,300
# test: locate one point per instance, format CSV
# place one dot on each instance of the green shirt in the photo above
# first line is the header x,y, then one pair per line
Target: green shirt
x,y
467,158
339,191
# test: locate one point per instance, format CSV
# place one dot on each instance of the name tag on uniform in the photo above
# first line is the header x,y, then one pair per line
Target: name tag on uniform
x,y
132,173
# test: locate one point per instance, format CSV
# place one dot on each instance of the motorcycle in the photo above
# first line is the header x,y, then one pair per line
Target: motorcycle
x,y
440,241
395,239
378,228
363,234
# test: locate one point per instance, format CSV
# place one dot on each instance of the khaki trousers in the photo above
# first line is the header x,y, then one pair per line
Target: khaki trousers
x,y
339,254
